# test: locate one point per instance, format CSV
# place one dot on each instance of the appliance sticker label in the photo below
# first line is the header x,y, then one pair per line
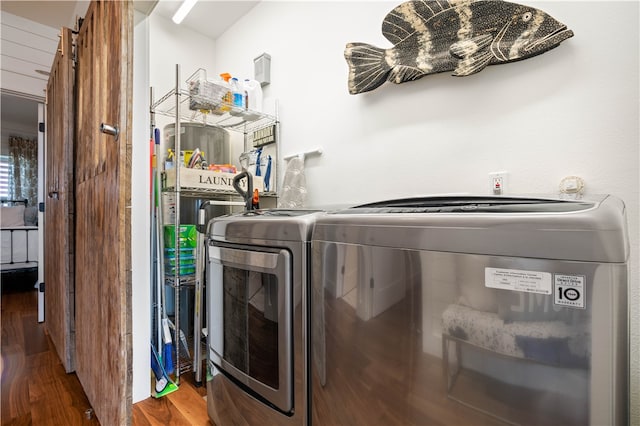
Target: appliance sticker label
x,y
518,280
569,290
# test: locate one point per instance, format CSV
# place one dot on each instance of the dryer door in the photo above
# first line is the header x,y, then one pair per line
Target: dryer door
x,y
250,319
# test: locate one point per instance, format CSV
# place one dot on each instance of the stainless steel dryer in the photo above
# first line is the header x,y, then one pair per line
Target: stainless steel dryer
x,y
257,291
471,310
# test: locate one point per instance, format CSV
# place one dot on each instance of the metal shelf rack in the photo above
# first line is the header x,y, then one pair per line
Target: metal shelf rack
x,y
176,104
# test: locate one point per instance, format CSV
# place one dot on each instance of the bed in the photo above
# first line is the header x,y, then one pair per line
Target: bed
x,y
19,228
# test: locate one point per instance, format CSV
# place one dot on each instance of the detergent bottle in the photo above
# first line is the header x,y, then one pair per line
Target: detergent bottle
x,y
254,95
227,98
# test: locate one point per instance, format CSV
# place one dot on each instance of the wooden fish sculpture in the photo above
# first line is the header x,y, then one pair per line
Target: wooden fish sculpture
x,y
463,36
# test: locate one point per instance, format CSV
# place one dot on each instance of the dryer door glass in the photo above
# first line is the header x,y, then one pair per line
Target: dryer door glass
x,y
250,319
250,309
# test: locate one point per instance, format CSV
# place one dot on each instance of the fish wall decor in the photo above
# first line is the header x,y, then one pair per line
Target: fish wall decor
x,y
463,36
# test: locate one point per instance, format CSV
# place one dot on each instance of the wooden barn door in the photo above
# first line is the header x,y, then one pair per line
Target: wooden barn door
x,y
59,204
103,192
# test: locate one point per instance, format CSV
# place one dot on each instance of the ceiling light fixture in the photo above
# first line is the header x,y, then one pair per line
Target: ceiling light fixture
x,y
183,10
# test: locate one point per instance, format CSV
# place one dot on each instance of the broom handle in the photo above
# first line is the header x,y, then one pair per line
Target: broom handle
x,y
159,228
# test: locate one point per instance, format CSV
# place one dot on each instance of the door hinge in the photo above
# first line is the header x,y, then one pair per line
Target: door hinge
x,y
41,207
41,288
41,127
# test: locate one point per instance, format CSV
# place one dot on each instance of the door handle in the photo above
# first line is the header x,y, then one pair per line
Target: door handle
x,y
110,130
53,194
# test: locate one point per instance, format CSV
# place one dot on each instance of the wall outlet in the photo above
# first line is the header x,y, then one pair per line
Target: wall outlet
x,y
498,183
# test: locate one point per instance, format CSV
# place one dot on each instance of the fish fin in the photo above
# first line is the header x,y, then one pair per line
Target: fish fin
x,y
401,73
401,22
473,64
367,67
471,46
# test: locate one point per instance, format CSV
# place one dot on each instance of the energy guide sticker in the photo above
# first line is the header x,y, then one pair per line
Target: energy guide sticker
x,y
518,280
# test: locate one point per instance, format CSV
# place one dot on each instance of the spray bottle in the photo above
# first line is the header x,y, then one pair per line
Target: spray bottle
x,y
227,99
238,94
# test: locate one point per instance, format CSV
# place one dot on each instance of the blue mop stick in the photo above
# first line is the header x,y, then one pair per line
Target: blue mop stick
x,y
267,175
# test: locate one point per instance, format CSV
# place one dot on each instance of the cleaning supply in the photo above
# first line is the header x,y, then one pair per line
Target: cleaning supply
x,y
167,352
224,168
255,201
253,90
159,364
227,98
183,339
258,160
164,384
238,94
194,159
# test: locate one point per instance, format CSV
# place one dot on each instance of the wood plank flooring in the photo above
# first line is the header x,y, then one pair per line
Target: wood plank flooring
x,y
35,390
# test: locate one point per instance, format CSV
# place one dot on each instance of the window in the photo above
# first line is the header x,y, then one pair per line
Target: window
x,y
22,161
5,177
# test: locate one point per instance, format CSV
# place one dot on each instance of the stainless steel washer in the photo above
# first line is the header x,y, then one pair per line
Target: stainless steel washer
x,y
257,288
471,310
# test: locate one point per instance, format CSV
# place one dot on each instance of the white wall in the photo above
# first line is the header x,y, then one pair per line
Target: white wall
x,y
140,211
172,44
17,129
571,111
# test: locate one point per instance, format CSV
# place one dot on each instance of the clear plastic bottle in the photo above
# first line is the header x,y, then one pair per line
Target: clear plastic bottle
x,y
238,94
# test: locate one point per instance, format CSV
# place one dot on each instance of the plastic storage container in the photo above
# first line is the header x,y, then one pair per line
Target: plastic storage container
x,y
207,95
254,95
188,237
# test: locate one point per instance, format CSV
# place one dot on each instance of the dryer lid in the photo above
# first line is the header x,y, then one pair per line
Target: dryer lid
x,y
472,204
592,230
260,225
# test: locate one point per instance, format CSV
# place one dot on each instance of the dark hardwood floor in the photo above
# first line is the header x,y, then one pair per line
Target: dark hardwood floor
x,y
35,389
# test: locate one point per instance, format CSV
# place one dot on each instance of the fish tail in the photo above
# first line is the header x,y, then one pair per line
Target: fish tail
x,y
368,68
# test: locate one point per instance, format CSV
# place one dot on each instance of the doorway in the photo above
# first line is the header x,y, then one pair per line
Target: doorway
x,y
22,173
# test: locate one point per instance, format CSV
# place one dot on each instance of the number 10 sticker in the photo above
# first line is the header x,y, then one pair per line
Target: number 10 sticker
x,y
569,290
